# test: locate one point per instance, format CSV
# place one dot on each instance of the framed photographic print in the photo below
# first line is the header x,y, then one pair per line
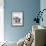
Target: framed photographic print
x,y
17,19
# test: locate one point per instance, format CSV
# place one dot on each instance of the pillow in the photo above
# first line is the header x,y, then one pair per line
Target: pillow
x,y
21,42
28,39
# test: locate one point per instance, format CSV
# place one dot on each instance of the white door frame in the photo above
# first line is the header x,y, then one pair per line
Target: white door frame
x,y
1,20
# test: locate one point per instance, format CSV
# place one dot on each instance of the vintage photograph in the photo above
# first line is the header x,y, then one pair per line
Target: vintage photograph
x,y
17,18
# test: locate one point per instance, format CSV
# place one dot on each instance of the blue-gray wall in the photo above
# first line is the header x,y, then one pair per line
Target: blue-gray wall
x,y
30,7
43,6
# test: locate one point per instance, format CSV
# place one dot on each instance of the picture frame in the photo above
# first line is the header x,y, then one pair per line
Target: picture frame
x,y
18,18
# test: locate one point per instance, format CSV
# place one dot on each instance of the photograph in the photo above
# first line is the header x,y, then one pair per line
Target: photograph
x,y
17,18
